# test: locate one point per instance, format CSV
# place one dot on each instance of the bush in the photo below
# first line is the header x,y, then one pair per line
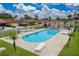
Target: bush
x,y
39,23
32,23
12,26
39,27
3,34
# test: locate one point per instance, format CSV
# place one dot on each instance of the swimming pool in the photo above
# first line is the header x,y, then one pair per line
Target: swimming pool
x,y
40,36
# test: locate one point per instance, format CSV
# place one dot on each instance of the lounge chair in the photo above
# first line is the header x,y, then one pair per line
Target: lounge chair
x,y
65,32
40,47
2,48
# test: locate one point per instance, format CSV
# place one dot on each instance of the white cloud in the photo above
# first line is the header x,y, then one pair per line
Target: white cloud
x,y
2,9
76,4
68,4
29,10
19,16
45,8
32,11
1,6
44,13
72,4
17,6
57,13
54,13
55,3
23,7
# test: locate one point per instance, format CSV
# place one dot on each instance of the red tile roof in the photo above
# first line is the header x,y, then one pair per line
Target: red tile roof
x,y
18,21
45,20
6,21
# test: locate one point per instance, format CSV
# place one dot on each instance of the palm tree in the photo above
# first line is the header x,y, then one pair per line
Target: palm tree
x,y
69,19
13,36
65,22
49,18
15,16
58,18
27,17
36,17
76,17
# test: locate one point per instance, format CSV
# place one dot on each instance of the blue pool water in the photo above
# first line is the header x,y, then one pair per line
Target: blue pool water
x,y
40,36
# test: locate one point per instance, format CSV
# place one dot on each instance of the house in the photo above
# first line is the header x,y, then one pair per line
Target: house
x,y
52,23
7,22
57,24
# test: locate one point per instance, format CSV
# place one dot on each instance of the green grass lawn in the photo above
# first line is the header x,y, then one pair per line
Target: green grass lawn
x,y
73,49
3,34
10,50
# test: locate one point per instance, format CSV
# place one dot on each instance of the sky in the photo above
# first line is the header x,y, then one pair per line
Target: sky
x,y
43,10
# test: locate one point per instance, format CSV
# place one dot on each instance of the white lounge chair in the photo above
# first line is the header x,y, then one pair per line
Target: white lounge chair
x,y
2,48
40,47
65,32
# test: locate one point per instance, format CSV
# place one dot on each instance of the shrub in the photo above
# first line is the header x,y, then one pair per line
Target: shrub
x,y
12,26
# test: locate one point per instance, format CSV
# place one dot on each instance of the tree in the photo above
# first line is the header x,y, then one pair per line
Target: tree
x,y
15,16
45,25
76,17
69,17
6,16
58,18
45,19
49,18
36,16
13,36
27,17
65,22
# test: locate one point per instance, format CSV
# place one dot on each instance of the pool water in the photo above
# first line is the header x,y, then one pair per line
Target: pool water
x,y
40,36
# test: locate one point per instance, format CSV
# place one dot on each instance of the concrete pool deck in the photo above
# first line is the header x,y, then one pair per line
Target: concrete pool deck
x,y
52,48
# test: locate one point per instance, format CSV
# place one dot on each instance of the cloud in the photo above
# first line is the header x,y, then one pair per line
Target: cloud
x,y
28,10
72,4
47,12
58,13
45,8
54,13
44,13
32,11
1,6
52,3
55,3
76,4
23,7
19,16
2,9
